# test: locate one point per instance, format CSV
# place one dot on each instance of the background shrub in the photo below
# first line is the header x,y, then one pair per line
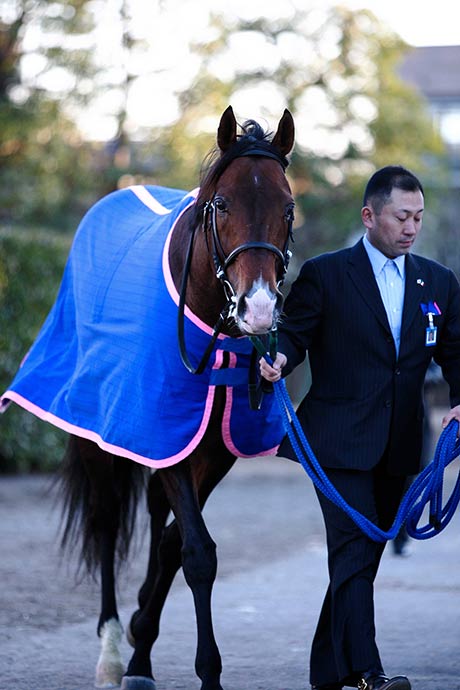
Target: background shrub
x,y
31,266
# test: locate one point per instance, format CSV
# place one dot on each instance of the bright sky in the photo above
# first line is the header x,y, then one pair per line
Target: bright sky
x,y
419,22
170,25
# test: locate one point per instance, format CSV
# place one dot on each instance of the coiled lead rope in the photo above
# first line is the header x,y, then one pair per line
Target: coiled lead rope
x,y
426,490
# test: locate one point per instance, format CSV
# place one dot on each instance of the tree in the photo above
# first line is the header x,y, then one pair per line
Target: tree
x,y
336,70
41,77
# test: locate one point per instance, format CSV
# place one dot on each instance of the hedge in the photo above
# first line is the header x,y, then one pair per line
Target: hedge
x,y
31,266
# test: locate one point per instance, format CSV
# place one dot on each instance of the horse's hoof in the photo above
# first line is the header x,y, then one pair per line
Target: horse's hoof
x,y
137,683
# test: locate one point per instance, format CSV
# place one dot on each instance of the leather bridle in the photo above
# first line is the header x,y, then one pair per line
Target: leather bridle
x,y
221,263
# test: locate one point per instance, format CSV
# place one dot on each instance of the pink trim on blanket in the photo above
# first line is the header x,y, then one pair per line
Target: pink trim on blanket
x,y
148,200
172,288
227,435
226,428
109,447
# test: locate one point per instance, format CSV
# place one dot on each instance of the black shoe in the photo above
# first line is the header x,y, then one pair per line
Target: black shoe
x,y
331,686
380,682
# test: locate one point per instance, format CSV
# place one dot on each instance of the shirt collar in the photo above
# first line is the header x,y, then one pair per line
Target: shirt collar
x,y
378,260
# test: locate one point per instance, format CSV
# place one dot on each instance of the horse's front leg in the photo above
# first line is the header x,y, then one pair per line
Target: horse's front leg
x,y
144,626
164,561
159,510
199,564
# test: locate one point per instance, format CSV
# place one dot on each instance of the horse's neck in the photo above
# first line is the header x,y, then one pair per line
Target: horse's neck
x,y
204,296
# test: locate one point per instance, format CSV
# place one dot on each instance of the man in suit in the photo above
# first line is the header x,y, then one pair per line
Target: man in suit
x,y
371,318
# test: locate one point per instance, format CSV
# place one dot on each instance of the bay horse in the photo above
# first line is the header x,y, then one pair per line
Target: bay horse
x,y
225,259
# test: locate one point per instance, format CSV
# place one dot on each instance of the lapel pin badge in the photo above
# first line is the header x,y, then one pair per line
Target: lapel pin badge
x,y
420,282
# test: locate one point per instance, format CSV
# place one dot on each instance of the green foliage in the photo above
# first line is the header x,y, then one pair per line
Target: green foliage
x,y
46,23
337,71
45,172
186,144
31,266
42,161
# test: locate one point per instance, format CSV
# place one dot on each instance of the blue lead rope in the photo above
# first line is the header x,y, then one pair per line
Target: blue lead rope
x,y
426,490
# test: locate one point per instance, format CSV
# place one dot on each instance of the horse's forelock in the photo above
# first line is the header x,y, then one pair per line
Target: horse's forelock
x,y
253,132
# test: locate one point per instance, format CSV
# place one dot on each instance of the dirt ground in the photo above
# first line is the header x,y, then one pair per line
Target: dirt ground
x,y
271,580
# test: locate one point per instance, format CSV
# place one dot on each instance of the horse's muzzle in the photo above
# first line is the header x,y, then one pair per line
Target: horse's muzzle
x,y
257,313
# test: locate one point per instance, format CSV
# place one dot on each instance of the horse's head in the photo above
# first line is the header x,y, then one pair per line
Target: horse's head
x,y
248,214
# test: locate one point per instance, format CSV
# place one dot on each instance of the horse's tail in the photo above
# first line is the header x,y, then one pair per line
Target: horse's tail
x,y
100,495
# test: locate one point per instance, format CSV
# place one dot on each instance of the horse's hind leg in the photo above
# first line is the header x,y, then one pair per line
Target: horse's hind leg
x,y
109,668
100,496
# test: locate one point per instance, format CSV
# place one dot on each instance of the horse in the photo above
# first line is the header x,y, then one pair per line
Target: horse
x,y
223,262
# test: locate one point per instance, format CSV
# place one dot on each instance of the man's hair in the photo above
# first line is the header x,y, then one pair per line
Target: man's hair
x,y
381,184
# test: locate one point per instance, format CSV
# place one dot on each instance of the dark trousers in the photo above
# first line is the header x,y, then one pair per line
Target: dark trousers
x,y
344,643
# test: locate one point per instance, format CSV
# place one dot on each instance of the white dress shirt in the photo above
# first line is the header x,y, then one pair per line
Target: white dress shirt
x,y
390,275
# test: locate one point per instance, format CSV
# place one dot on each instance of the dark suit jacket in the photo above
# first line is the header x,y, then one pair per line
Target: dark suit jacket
x,y
363,399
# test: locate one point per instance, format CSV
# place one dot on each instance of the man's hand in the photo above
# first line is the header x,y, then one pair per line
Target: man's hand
x,y
453,413
273,373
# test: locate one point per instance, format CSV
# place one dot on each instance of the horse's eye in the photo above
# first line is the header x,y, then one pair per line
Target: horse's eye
x,y
220,204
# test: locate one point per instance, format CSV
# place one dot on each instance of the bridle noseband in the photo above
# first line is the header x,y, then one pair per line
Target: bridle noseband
x,y
222,262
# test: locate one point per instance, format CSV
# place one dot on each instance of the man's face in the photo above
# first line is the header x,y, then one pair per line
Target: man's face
x,y
394,229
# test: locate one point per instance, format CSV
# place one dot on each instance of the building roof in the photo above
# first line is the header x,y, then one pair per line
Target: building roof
x,y
435,70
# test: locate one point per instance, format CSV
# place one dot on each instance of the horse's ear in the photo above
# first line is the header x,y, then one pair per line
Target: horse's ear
x,y
284,137
226,134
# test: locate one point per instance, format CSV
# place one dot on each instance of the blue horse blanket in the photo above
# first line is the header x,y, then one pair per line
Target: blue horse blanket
x,y
106,363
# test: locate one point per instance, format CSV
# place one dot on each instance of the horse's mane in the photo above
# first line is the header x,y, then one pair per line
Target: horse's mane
x,y
253,137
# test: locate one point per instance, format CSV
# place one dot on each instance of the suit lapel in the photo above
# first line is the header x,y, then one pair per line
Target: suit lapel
x,y
362,275
414,292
